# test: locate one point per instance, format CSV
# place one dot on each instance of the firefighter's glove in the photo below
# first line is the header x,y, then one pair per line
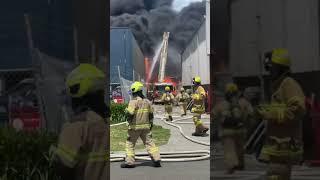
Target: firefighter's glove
x,y
129,117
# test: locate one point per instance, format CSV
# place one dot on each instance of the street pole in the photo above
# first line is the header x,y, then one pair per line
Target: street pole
x,y
35,53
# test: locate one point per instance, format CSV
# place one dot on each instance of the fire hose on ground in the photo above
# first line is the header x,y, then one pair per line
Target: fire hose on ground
x,y
173,156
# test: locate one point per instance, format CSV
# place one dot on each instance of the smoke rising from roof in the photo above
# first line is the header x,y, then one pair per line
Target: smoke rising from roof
x,y
148,19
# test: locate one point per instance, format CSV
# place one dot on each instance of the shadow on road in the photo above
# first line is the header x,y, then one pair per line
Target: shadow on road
x,y
144,164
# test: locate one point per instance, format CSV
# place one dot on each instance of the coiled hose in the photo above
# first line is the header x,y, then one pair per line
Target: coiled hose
x,y
173,156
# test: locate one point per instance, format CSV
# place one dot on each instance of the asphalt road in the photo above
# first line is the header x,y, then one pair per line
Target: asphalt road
x,y
256,171
196,170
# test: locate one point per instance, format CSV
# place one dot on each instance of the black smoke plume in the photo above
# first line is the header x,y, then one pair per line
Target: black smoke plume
x,y
148,19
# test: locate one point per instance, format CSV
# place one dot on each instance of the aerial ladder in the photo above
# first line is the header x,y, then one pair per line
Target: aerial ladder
x,y
163,57
159,86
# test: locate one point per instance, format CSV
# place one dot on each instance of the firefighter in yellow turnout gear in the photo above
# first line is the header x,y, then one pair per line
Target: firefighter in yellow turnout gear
x,y
183,98
284,115
140,119
198,107
233,113
82,148
168,100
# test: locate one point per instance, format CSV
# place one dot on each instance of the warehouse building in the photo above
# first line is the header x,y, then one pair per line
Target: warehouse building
x,y
292,24
126,57
195,58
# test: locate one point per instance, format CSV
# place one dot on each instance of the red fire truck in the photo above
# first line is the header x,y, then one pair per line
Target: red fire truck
x,y
24,111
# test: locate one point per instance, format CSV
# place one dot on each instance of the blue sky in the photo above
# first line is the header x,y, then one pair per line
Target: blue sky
x,y
179,4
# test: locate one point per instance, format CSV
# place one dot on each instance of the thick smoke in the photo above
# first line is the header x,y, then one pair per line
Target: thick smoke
x,y
148,19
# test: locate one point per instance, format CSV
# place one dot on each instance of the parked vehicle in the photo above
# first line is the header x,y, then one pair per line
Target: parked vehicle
x,y
23,106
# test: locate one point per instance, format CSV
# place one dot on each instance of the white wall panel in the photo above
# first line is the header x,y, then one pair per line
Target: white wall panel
x,y
291,24
195,60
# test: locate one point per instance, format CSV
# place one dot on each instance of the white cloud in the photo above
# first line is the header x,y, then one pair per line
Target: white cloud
x,y
179,4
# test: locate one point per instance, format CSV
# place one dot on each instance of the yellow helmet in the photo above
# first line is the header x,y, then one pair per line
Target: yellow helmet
x,y
85,79
281,56
231,88
136,87
197,79
167,88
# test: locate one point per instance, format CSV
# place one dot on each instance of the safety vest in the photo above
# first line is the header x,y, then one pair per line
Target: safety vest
x,y
140,109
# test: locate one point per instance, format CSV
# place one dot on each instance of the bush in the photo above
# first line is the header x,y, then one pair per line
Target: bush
x,y
25,155
118,113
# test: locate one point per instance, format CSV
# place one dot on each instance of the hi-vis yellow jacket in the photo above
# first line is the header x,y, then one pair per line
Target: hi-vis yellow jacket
x,y
284,116
167,98
199,96
140,109
83,146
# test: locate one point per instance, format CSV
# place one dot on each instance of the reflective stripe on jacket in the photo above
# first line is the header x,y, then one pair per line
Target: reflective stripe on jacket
x,y
140,109
83,145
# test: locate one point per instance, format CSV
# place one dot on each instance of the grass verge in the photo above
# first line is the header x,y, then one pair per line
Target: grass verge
x,y
118,137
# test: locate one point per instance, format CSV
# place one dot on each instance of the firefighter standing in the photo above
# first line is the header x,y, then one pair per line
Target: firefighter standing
x,y
198,107
183,98
140,119
168,100
233,113
83,142
283,147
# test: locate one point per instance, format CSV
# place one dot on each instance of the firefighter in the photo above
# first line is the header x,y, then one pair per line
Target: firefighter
x,y
233,113
140,120
168,100
198,107
82,148
183,98
283,147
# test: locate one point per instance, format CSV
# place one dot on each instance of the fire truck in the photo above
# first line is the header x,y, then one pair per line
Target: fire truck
x,y
23,106
157,89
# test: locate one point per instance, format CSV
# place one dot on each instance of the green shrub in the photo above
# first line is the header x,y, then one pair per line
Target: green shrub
x,y
118,113
25,155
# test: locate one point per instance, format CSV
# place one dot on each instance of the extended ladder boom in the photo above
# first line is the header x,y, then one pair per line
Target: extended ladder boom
x,y
163,57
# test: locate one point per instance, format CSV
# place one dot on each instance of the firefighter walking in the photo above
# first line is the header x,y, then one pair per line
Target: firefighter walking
x,y
233,113
183,98
82,148
168,100
140,120
198,107
283,147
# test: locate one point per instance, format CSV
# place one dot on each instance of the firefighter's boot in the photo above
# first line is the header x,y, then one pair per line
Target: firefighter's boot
x,y
201,129
127,165
197,132
230,171
157,163
204,129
